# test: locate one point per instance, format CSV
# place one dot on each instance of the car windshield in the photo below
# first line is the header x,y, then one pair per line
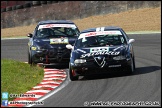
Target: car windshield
x,y
55,32
101,40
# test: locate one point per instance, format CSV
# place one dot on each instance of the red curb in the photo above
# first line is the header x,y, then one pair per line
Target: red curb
x,y
39,93
47,86
58,80
29,98
16,105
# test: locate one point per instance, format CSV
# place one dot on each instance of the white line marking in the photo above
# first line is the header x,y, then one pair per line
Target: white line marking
x,y
50,82
54,75
44,91
55,72
53,78
50,69
45,86
14,38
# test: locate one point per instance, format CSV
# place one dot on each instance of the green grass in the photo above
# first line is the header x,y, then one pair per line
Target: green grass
x,y
18,77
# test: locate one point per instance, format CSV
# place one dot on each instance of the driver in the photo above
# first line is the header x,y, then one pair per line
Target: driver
x,y
44,31
68,31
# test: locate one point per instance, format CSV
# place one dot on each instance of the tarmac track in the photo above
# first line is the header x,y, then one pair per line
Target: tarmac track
x,y
143,85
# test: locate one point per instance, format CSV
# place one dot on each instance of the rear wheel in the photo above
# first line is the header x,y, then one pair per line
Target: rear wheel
x,y
71,74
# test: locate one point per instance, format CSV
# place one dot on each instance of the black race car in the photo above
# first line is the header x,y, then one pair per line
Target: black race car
x,y
99,49
48,42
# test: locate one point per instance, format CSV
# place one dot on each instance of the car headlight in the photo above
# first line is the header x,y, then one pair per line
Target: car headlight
x,y
119,58
79,61
33,48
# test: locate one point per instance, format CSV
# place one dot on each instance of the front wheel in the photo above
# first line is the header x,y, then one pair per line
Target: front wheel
x,y
29,58
131,67
71,74
30,61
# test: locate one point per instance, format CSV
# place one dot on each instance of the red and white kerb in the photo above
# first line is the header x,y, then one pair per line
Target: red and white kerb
x,y
56,25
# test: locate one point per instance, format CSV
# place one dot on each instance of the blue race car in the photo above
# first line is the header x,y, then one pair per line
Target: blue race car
x,y
48,42
97,49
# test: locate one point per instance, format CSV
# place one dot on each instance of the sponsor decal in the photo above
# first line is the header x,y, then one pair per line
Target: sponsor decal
x,y
99,33
57,25
59,41
81,50
100,53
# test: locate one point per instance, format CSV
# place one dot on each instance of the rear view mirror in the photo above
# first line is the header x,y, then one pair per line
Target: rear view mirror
x,y
69,46
29,35
131,41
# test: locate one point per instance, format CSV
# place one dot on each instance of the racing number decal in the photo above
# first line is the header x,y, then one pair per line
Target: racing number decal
x,y
59,41
99,49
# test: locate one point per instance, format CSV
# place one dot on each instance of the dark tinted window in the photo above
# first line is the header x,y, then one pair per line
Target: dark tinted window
x,y
101,40
56,32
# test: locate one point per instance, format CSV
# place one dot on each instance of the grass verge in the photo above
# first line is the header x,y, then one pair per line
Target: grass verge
x,y
18,77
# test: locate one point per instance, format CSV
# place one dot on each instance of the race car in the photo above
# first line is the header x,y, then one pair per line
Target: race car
x,y
47,44
99,49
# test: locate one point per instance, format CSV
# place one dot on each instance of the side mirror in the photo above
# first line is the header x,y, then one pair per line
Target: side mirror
x,y
69,46
131,41
29,35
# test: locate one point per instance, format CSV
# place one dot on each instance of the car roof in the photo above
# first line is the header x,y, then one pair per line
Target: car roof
x,y
55,22
105,28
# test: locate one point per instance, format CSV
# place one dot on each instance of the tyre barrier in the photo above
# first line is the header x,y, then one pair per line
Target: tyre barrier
x,y
49,2
27,5
13,7
55,1
36,3
19,6
3,10
9,8
43,2
61,1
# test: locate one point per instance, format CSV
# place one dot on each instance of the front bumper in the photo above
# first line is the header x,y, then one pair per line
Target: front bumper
x,y
93,68
51,56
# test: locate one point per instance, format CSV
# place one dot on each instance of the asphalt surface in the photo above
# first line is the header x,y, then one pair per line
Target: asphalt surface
x,y
144,85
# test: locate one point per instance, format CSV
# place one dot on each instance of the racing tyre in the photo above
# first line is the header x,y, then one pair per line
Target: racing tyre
x,y
134,64
9,8
3,10
49,2
30,61
19,6
72,78
27,5
43,2
131,68
36,3
13,7
29,58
